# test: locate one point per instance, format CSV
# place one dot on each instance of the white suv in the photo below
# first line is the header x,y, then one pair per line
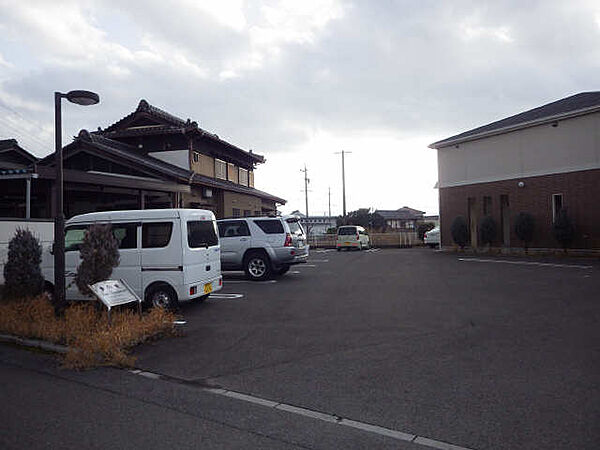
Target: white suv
x,y
262,246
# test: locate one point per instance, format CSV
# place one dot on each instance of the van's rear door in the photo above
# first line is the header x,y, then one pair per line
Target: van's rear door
x,y
202,257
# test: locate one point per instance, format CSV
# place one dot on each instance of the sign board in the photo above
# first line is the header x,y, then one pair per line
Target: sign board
x,y
114,293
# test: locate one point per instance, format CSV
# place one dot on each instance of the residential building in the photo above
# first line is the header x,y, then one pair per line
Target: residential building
x,y
315,225
148,159
402,219
539,161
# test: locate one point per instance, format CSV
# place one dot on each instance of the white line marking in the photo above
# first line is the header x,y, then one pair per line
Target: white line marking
x,y
308,265
225,296
295,271
324,251
319,260
373,250
250,281
523,263
317,415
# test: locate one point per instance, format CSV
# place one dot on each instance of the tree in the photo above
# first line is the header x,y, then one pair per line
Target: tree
x,y
524,228
487,230
22,273
563,229
424,228
363,218
460,231
99,255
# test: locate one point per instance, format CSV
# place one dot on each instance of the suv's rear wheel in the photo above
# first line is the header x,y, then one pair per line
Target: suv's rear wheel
x,y
257,266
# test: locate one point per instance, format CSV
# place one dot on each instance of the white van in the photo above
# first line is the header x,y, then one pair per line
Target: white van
x,y
352,236
166,255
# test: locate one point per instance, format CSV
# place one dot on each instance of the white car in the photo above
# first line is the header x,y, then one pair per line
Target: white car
x,y
432,237
165,255
352,236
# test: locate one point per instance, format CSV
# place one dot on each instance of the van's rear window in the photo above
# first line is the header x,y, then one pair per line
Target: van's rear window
x,y
155,235
202,233
344,231
273,226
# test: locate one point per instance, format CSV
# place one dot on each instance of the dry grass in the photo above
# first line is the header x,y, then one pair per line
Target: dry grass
x,y
85,330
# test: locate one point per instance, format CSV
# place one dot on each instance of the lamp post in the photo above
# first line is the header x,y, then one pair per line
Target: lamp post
x,y
79,98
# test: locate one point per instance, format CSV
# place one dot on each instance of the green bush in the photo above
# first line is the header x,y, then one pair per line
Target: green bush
x,y
487,230
460,231
22,273
99,254
563,229
424,228
524,228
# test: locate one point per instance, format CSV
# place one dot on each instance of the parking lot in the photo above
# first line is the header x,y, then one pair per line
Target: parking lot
x,y
480,352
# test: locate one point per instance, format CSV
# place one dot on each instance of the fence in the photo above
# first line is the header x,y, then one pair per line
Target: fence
x,y
401,239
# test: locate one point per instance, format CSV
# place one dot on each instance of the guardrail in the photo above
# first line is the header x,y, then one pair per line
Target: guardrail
x,y
398,240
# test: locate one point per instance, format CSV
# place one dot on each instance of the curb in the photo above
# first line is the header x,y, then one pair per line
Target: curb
x,y
34,343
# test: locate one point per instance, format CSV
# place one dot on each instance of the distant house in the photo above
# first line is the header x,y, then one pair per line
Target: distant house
x,y
539,161
402,219
315,225
148,159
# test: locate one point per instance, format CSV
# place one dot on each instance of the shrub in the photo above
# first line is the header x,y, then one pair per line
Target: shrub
x,y
563,229
460,231
524,228
487,230
99,254
22,273
90,339
424,228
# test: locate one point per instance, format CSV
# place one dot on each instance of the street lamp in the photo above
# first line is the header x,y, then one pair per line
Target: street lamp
x,y
79,98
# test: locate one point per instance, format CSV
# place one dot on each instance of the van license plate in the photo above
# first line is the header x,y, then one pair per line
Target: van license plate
x,y
208,288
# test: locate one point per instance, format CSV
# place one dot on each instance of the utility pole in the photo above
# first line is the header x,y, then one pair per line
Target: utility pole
x,y
306,181
329,201
343,180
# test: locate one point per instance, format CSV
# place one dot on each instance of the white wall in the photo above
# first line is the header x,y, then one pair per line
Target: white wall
x,y
573,145
179,158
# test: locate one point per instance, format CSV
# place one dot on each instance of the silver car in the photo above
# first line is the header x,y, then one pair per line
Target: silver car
x,y
262,246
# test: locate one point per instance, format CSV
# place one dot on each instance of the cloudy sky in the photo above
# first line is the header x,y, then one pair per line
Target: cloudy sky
x,y
297,81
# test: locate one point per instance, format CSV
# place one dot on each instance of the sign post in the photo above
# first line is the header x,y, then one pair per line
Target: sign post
x,y
114,293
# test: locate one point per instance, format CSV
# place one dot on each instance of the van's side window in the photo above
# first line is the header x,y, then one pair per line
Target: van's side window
x,y
201,233
74,237
270,226
157,234
233,228
126,234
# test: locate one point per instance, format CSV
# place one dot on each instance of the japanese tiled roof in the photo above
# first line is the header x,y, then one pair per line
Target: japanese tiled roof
x,y
170,125
402,213
12,144
583,103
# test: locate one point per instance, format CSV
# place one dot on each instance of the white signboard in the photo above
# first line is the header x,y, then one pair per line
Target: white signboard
x,y
114,293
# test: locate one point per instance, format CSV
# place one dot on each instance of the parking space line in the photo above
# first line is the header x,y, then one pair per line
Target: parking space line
x,y
311,413
225,296
308,265
319,260
226,281
524,263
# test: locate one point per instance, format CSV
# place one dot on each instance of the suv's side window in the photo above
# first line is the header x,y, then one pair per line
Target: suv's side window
x,y
270,226
155,235
233,228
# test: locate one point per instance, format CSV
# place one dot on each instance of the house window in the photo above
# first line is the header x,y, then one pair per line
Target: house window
x,y
410,225
487,206
196,157
557,205
232,173
236,212
220,169
247,213
243,177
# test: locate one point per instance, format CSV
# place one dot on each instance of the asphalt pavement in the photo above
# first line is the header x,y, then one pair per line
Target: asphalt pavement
x,y
478,352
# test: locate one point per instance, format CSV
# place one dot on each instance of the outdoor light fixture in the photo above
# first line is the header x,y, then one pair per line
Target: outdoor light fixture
x,y
79,98
521,184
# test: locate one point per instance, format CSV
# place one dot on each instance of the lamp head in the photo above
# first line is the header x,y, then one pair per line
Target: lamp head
x,y
83,97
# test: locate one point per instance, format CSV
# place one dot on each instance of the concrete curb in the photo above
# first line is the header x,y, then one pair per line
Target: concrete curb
x,y
34,343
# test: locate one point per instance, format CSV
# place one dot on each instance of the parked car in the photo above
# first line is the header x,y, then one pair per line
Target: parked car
x,y
262,246
432,237
166,255
352,236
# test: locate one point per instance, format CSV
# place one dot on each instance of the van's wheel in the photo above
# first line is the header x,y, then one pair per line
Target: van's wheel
x,y
162,296
281,270
257,266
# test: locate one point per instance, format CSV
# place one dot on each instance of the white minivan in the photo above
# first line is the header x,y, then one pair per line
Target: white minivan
x,y
352,236
166,255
